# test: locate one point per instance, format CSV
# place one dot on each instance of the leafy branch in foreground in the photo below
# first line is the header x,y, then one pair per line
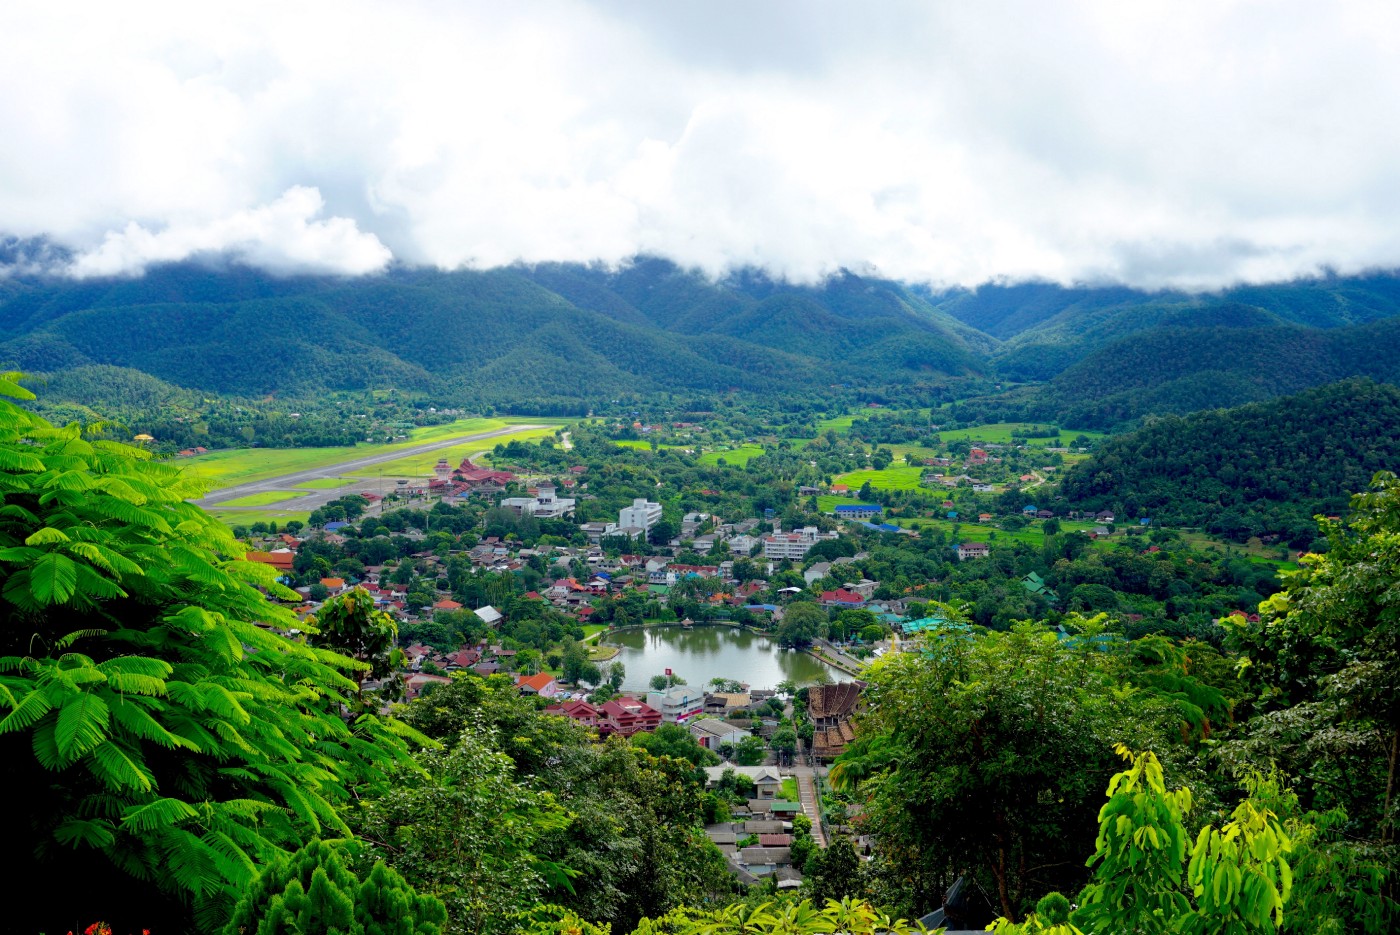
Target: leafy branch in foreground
x,y
150,710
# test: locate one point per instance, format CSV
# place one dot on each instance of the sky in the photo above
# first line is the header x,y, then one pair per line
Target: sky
x,y
1159,144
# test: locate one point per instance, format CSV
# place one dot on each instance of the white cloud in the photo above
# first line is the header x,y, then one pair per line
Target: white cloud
x,y
1190,144
282,237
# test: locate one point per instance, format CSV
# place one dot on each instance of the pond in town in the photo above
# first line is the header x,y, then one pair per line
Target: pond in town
x,y
703,653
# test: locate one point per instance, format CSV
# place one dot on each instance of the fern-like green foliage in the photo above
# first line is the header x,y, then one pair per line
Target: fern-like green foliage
x,y
313,892
150,708
849,916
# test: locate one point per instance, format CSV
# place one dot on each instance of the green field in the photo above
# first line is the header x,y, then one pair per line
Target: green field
x,y
999,433
1032,534
891,478
734,457
242,465
264,499
838,424
325,483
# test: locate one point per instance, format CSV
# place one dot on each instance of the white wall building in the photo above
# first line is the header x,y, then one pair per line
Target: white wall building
x,y
793,545
642,514
543,505
678,704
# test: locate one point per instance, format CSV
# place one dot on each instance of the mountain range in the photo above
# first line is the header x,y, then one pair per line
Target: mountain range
x,y
1103,356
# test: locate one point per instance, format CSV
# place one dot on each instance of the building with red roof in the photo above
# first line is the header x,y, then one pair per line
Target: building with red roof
x,y
627,716
578,710
542,685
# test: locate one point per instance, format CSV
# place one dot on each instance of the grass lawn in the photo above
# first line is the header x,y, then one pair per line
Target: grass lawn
x,y
241,465
1000,433
421,465
264,499
828,502
591,630
249,517
891,478
735,457
325,483
788,791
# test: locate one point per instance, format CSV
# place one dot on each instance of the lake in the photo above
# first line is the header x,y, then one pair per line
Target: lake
x,y
703,653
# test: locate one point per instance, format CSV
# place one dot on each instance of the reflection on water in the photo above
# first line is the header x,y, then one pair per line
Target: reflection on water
x,y
704,653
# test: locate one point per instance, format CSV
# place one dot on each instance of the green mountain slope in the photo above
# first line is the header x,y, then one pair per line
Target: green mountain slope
x,y
1265,468
500,336
1180,370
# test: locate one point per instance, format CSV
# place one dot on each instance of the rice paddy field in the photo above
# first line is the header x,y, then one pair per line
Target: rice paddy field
x,y
891,478
734,457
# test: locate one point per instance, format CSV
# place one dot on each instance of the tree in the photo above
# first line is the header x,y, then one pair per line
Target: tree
x,y
615,673
1238,874
1326,667
674,741
955,740
802,622
349,623
467,831
165,739
784,741
834,871
662,682
311,891
750,751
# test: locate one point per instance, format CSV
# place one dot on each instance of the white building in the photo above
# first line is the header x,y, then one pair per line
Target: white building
x,y
642,514
678,704
742,544
543,505
793,545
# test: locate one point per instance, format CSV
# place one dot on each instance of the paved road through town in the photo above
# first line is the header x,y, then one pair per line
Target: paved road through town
x,y
315,498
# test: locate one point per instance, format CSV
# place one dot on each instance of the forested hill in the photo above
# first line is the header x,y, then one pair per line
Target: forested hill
x,y
1181,370
1047,328
1256,470
499,336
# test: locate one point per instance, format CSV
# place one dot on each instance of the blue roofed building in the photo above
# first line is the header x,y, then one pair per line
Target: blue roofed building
x,y
858,510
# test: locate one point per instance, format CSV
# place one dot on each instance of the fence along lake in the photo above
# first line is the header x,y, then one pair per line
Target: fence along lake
x,y
701,653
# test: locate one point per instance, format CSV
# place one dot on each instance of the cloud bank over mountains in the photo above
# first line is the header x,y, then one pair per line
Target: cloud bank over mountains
x,y
1158,144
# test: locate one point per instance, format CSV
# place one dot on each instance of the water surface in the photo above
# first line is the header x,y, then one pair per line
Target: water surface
x,y
703,653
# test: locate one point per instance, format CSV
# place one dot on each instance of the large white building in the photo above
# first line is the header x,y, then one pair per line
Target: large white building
x,y
793,545
643,514
543,505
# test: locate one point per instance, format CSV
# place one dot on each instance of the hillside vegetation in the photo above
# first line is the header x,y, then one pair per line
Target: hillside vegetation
x,y
1261,469
496,337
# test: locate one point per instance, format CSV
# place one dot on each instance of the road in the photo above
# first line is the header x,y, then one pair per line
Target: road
x,y
317,498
